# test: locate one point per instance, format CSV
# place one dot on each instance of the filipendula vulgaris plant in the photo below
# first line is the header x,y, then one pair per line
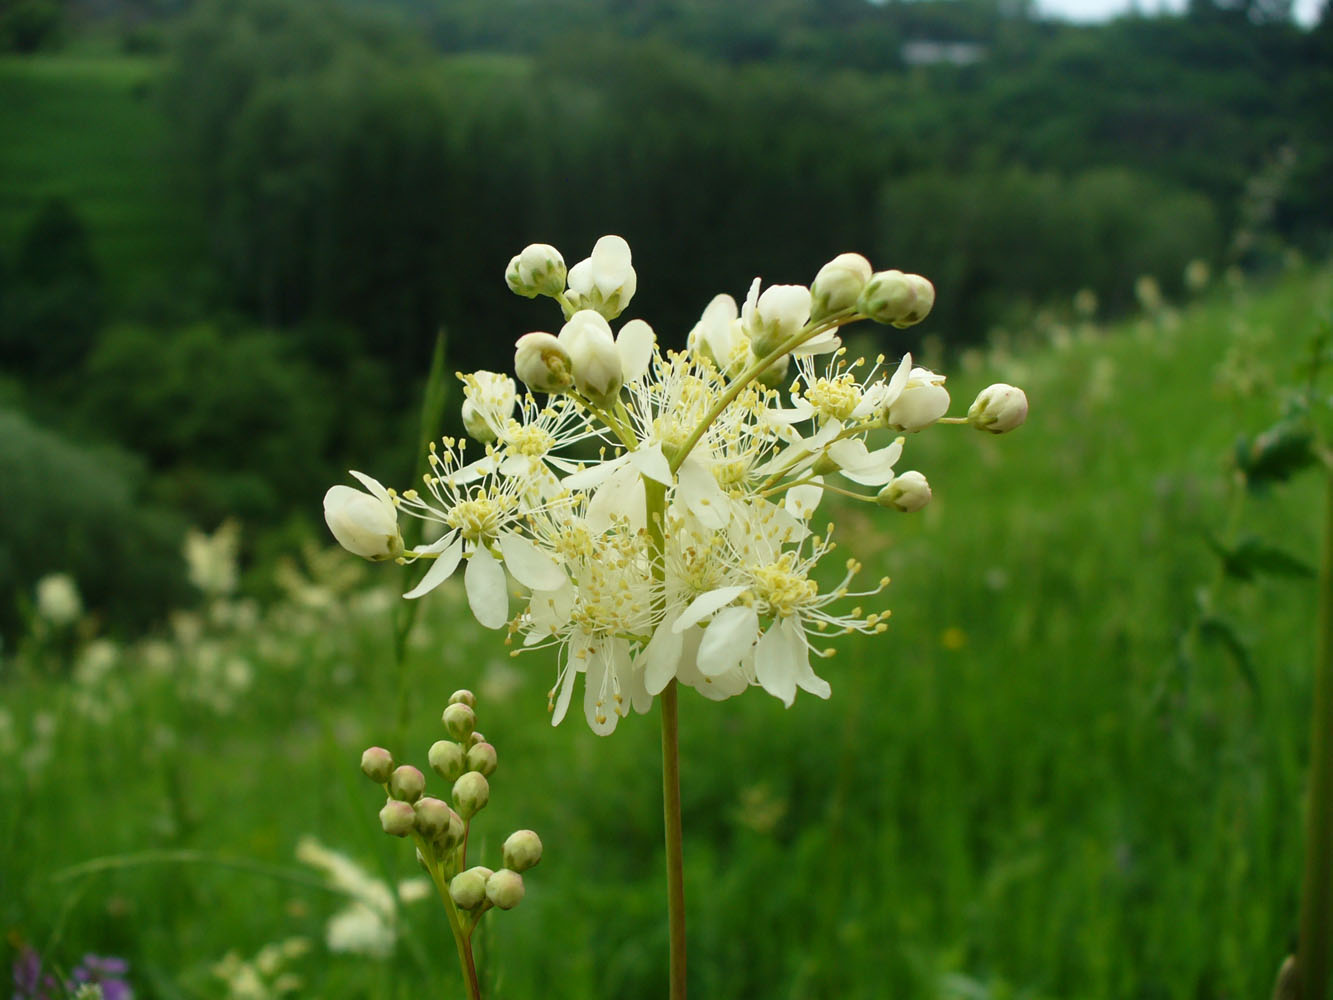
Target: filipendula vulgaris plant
x,y
441,832
684,552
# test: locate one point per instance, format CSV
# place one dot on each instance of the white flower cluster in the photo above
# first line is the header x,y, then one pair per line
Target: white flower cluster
x,y
654,509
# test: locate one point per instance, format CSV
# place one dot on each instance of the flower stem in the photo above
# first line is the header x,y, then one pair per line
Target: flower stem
x,y
462,936
1316,941
675,864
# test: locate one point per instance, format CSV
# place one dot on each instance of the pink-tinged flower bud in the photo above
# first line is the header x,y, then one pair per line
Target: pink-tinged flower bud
x,y
468,889
463,697
460,720
365,524
908,493
446,759
838,285
471,793
598,373
482,758
998,408
407,783
542,363
377,764
397,818
537,270
522,850
452,835
432,817
922,402
474,739
505,889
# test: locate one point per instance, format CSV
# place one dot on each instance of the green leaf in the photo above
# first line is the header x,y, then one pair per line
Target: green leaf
x,y
1275,455
1217,631
1253,557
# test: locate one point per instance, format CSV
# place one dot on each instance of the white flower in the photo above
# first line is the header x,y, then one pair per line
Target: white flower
x,y
542,363
719,338
998,408
605,281
211,559
58,599
907,493
365,524
488,403
775,316
838,284
598,372
922,402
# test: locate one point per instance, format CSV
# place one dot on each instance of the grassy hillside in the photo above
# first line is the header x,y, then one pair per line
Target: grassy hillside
x,y
1041,782
87,129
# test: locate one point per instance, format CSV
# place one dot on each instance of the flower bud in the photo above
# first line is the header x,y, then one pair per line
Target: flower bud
x,y
468,888
542,363
775,316
605,281
998,408
471,793
537,270
522,850
407,783
489,400
397,818
365,524
505,889
463,697
482,758
474,739
446,759
598,373
460,721
896,298
922,402
377,764
432,817
838,285
452,835
908,493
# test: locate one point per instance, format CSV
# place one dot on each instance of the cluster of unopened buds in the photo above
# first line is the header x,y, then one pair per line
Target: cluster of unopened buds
x,y
652,510
440,831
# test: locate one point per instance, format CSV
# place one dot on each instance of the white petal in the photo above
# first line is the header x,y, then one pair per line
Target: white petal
x,y
596,688
775,665
594,474
819,345
652,463
799,649
728,637
487,594
699,493
440,544
801,501
529,565
373,486
635,344
899,381
441,569
661,656
566,690
705,604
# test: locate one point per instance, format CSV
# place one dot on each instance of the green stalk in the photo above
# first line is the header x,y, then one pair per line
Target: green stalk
x,y
655,509
1316,941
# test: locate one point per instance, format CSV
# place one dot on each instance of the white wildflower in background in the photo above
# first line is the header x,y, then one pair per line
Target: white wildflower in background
x,y
366,926
652,518
212,559
58,600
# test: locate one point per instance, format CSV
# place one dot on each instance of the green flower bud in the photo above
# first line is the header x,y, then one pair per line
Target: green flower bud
x,y
505,889
432,817
538,270
463,697
407,783
377,764
838,285
468,888
896,298
998,408
446,759
397,818
471,793
452,835
475,739
482,758
522,850
460,720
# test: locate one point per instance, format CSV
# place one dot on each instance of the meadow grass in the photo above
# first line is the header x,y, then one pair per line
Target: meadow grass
x,y
87,128
1041,782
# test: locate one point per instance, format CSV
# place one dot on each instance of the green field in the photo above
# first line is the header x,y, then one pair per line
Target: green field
x,y
88,129
1041,782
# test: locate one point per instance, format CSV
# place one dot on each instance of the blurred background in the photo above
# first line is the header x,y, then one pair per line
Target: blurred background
x,y
231,232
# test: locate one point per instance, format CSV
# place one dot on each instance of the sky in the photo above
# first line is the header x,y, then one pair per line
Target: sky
x,y
1306,11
